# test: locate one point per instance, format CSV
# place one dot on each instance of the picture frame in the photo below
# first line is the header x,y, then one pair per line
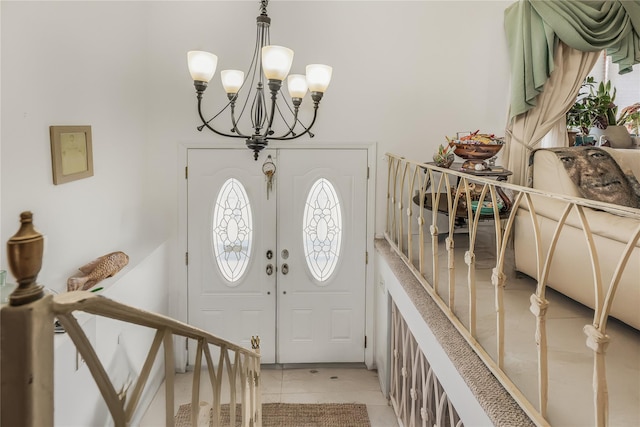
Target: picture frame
x,y
71,153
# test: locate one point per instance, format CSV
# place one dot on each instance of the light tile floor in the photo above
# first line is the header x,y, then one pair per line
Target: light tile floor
x,y
318,384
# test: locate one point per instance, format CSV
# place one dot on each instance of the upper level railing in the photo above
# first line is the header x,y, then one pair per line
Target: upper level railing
x,y
27,363
413,190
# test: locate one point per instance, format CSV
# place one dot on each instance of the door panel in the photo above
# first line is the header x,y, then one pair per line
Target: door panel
x,y
229,302
303,311
321,320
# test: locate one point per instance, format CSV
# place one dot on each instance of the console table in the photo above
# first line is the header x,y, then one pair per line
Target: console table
x,y
498,172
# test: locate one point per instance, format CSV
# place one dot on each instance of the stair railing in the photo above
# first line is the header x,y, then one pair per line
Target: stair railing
x,y
412,185
27,363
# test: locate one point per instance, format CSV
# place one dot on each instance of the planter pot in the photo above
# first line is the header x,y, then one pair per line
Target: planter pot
x,y
618,136
587,140
572,137
443,161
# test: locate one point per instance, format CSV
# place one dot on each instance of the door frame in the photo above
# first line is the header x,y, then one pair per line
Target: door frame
x,y
178,306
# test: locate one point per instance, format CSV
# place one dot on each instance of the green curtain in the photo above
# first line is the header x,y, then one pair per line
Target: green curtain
x,y
533,28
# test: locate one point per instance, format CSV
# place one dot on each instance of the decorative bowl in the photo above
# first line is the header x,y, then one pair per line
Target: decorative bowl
x,y
475,154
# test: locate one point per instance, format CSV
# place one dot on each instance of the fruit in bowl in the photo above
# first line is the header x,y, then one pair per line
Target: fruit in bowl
x,y
476,148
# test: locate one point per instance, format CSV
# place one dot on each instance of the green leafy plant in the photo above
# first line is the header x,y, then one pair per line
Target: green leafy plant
x,y
606,95
630,118
594,107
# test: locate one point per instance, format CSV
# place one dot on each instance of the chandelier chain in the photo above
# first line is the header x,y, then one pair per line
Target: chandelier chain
x,y
263,7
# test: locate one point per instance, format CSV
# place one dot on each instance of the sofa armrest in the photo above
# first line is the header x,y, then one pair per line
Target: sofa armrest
x,y
628,159
550,175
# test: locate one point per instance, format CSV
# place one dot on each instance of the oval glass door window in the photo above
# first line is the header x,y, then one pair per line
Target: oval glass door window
x,y
322,230
232,230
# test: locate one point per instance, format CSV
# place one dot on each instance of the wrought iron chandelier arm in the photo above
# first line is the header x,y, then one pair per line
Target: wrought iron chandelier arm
x,y
295,121
205,123
294,112
234,121
298,135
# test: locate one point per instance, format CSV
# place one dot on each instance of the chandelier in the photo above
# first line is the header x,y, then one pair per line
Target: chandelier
x,y
273,64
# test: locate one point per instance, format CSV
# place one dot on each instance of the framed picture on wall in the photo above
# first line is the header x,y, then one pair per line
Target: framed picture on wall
x,y
71,153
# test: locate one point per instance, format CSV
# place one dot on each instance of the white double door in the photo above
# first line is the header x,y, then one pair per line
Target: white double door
x,y
285,263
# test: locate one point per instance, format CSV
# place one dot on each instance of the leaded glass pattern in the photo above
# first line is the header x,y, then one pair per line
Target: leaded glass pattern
x,y
322,229
232,230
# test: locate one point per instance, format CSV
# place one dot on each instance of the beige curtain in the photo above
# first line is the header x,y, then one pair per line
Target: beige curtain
x,y
525,131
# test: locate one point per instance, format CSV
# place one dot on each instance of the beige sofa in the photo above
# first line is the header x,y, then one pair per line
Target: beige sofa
x,y
571,272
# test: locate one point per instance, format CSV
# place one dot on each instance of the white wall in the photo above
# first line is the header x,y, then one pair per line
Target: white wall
x,y
76,63
405,75
84,63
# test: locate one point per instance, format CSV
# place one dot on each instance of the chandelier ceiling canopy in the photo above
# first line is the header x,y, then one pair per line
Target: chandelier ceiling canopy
x,y
244,92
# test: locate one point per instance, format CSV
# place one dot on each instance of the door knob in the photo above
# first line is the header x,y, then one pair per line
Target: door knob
x,y
269,254
285,268
269,269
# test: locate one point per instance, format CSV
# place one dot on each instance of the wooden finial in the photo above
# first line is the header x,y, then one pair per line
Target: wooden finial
x,y
255,342
24,254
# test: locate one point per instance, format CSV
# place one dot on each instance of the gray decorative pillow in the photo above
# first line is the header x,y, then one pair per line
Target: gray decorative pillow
x,y
598,176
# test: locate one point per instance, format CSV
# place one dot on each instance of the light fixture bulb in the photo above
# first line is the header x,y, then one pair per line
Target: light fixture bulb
x,y
232,80
256,111
276,62
318,77
297,85
202,65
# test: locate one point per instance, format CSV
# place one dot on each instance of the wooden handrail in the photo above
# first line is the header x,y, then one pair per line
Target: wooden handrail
x,y
91,303
27,362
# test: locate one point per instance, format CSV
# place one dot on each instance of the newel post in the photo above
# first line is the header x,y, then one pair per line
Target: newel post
x,y
26,336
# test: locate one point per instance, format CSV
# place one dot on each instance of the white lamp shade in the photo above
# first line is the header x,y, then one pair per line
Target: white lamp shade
x,y
202,65
297,85
276,62
318,77
232,80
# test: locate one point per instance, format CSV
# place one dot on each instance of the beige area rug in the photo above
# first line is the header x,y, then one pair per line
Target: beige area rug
x,y
294,415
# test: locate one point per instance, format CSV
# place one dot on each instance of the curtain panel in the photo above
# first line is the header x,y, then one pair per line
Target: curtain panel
x,y
525,132
534,28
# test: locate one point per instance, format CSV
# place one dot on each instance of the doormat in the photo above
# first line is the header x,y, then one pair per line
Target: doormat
x,y
293,415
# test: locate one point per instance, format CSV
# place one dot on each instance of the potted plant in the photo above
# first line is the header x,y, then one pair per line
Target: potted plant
x,y
630,118
608,130
594,113
444,157
583,113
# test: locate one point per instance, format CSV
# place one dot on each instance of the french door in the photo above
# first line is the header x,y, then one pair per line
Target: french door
x,y
281,257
